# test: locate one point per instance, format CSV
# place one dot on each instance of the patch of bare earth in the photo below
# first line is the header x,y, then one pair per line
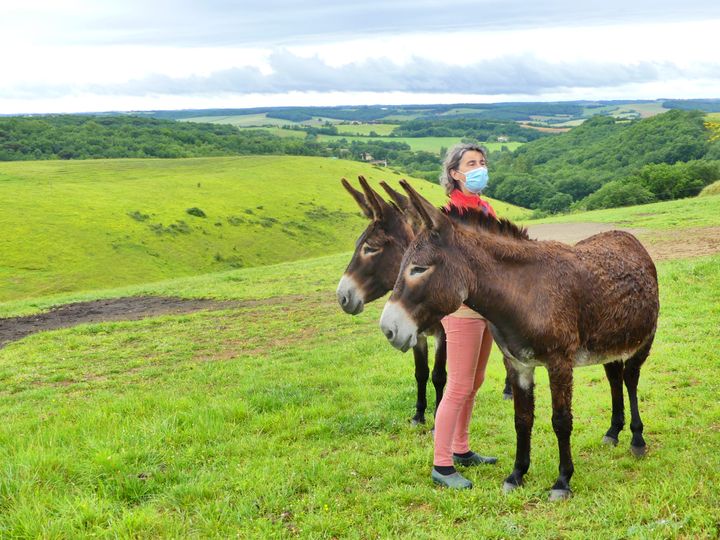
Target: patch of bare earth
x,y
569,233
682,243
661,244
131,308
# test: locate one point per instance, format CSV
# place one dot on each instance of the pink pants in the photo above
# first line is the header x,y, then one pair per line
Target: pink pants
x,y
468,348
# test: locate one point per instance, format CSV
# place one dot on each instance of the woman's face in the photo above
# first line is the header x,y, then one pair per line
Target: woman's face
x,y
472,159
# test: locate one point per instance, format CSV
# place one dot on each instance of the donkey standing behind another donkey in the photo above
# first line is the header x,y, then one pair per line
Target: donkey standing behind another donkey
x,y
548,304
372,272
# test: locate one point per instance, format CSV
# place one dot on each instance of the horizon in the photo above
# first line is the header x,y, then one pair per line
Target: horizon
x,y
353,105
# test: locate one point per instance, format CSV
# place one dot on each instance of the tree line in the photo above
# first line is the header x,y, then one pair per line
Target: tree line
x,y
602,163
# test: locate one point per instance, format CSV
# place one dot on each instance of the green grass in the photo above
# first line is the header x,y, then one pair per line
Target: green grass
x,y
682,213
77,225
290,418
257,120
365,129
712,189
427,144
280,132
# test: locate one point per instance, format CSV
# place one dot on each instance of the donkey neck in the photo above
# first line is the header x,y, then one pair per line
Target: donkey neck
x,y
498,271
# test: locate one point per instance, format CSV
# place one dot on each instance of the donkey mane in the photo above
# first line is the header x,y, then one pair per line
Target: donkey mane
x,y
479,220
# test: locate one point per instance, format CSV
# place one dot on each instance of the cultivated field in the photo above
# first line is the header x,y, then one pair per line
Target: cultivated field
x,y
282,417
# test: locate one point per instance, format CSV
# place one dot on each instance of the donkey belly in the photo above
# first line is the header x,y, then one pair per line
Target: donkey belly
x,y
588,358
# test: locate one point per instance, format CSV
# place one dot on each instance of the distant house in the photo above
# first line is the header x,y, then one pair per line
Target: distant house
x,y
382,162
503,138
366,156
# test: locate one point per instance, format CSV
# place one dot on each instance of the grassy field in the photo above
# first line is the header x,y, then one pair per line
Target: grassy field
x,y
255,120
287,418
712,189
365,129
427,144
76,225
670,215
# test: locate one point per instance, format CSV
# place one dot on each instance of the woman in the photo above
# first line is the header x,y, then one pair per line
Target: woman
x,y
469,341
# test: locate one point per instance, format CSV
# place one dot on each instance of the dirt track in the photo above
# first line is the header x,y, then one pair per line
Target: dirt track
x,y
661,245
116,309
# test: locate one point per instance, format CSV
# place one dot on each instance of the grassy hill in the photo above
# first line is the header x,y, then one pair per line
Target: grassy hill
x,y
74,225
287,417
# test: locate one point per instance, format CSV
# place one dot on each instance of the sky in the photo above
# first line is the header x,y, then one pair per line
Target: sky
x,y
108,55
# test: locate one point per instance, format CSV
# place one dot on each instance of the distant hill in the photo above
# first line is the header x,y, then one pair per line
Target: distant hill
x,y
663,157
76,225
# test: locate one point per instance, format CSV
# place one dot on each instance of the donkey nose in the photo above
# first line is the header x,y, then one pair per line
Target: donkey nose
x,y
390,334
344,300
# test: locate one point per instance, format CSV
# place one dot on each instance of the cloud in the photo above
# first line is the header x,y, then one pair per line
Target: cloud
x,y
505,75
285,22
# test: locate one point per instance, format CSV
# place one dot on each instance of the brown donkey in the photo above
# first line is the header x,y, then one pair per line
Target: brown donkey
x,y
548,304
373,269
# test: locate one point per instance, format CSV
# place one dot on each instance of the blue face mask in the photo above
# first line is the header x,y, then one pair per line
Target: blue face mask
x,y
476,180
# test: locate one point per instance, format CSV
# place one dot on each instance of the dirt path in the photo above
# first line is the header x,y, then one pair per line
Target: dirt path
x,y
660,244
572,232
116,309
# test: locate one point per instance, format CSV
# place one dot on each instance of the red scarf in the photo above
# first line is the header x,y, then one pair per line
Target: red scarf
x,y
462,201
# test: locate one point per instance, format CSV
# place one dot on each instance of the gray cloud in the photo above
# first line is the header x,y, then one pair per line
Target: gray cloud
x,y
285,22
508,75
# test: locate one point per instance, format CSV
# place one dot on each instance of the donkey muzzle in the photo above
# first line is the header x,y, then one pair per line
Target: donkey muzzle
x,y
398,327
350,296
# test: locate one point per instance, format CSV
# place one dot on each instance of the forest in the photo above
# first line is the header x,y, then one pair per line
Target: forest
x,y
607,163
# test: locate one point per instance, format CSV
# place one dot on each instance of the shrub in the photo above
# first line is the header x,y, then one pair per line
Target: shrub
x,y
194,211
138,216
618,193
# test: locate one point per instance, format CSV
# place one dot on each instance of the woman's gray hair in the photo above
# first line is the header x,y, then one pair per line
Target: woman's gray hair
x,y
452,162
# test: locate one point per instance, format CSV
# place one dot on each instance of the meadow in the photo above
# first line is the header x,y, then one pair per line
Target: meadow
x,y
285,417
425,144
77,225
416,144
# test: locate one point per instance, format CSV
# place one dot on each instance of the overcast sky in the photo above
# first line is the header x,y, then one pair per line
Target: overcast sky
x,y
99,55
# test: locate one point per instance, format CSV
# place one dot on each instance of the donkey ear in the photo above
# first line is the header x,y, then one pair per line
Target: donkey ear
x,y
377,203
401,200
431,217
359,198
405,206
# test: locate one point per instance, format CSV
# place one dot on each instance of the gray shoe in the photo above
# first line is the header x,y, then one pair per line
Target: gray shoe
x,y
475,459
452,481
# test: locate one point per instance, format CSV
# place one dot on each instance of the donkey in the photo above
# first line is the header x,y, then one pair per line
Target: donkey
x,y
548,304
371,274
373,269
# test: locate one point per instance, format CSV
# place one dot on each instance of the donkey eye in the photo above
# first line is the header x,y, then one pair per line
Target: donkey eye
x,y
415,270
369,250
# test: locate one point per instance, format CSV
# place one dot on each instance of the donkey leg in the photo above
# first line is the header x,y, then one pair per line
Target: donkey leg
x,y
507,391
614,373
632,376
422,373
523,388
561,379
439,373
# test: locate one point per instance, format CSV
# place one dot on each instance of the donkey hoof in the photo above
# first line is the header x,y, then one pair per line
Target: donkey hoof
x,y
610,441
559,494
638,451
508,487
507,397
417,421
